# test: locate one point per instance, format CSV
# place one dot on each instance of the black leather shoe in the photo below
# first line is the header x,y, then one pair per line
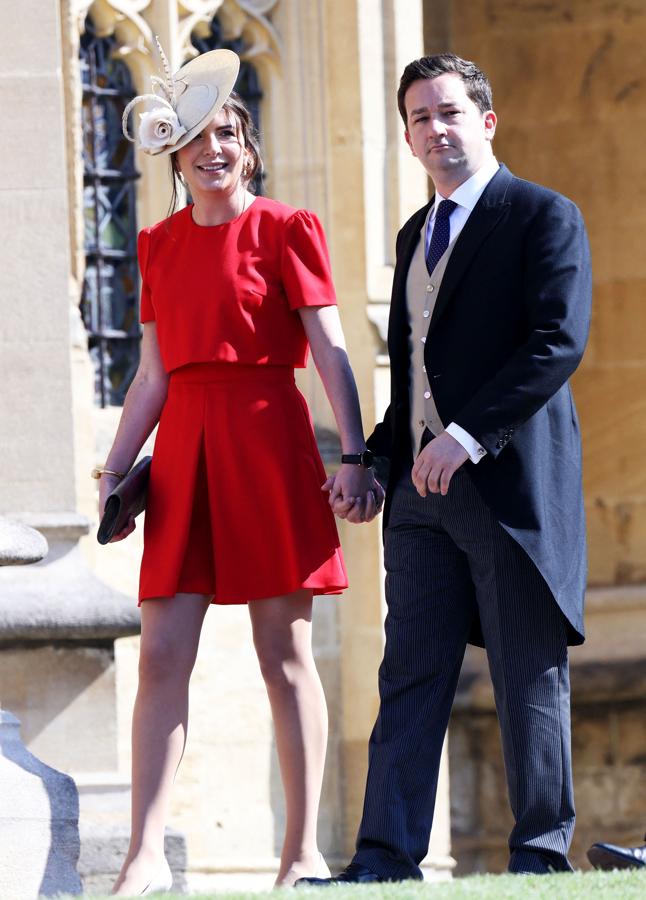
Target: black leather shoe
x,y
355,873
609,856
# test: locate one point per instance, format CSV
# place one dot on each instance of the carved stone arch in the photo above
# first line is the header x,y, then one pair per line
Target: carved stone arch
x,y
129,22
124,19
245,27
245,19
135,37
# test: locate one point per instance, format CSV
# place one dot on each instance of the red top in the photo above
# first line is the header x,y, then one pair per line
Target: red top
x,y
229,293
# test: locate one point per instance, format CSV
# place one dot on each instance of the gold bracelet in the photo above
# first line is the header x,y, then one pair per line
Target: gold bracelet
x,y
98,471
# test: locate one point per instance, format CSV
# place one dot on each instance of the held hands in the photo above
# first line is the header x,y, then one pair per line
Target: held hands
x,y
355,493
107,484
437,463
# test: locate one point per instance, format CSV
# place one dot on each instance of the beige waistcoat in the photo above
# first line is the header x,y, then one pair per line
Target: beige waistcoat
x,y
421,294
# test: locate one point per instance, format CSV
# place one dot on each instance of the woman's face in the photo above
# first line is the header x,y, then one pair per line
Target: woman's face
x,y
215,159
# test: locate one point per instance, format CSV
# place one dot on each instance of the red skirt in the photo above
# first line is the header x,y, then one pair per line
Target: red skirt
x,y
235,507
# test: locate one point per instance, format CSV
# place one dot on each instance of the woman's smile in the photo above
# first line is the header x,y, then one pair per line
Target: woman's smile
x,y
212,166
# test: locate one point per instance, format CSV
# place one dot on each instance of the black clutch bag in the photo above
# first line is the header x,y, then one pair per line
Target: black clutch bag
x,y
127,499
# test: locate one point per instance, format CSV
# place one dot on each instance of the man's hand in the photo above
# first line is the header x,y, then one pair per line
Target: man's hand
x,y
437,463
355,494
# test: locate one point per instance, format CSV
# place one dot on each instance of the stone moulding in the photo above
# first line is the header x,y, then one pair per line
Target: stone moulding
x,y
19,544
39,836
127,20
134,35
124,15
39,808
240,18
59,598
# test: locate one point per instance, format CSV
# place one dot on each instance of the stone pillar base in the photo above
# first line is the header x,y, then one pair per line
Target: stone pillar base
x,y
39,837
438,868
60,598
105,833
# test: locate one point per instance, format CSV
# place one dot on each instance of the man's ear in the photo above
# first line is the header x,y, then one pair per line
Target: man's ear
x,y
490,122
408,141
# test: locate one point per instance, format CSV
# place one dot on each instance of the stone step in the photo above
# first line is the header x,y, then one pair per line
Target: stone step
x,y
104,826
103,850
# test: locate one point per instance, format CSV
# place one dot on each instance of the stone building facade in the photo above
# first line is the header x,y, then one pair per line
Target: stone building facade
x,y
563,74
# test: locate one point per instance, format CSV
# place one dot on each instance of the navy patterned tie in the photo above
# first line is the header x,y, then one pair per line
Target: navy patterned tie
x,y
440,237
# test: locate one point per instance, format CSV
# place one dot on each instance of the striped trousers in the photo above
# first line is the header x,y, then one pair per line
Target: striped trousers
x,y
448,560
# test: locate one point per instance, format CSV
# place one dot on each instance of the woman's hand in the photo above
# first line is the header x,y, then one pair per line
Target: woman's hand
x,y
107,483
355,493
141,410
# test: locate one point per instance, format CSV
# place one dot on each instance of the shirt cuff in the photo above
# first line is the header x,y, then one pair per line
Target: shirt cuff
x,y
475,450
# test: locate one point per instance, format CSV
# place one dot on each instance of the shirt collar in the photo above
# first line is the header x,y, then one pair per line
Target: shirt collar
x,y
470,191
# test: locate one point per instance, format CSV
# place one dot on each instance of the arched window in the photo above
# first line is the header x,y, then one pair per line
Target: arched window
x,y
109,302
247,85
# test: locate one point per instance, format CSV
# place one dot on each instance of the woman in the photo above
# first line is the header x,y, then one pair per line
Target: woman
x,y
234,289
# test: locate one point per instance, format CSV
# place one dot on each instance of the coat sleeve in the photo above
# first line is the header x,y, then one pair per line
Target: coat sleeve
x,y
558,292
380,441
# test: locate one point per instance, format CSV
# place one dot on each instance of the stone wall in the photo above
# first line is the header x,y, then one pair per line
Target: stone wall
x,y
609,756
569,91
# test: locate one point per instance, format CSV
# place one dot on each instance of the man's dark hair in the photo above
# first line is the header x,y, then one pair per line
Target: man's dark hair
x,y
475,81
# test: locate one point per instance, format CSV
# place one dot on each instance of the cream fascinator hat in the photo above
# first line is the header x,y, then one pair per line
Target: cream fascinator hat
x,y
184,102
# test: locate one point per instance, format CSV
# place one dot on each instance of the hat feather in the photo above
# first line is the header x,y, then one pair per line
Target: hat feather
x,y
170,82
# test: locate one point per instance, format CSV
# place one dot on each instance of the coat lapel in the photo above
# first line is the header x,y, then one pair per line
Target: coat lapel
x,y
398,327
484,217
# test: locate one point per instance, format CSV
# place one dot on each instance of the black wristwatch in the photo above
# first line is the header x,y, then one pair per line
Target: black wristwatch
x,y
365,459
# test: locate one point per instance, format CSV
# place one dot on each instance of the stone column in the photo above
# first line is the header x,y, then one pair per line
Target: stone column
x,y
57,621
39,837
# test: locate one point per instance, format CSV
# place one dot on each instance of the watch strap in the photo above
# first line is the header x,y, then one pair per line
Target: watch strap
x,y
364,459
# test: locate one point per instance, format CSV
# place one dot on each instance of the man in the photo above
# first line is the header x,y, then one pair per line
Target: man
x,y
610,856
484,525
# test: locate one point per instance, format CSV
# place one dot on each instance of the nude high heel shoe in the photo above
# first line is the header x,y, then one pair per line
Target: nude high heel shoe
x,y
161,883
322,870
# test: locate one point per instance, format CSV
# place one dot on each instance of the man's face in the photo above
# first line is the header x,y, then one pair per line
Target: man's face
x,y
446,131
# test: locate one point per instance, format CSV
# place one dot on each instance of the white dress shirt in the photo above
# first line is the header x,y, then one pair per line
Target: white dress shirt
x,y
466,196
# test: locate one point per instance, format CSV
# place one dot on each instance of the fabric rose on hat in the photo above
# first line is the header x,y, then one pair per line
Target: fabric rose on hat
x,y
159,128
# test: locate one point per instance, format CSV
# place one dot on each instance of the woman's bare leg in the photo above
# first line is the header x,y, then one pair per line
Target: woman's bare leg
x,y
282,631
170,634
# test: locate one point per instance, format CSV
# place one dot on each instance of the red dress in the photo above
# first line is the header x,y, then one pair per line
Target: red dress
x,y
235,507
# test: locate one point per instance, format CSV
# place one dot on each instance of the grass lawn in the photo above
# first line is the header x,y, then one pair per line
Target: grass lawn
x,y
625,885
